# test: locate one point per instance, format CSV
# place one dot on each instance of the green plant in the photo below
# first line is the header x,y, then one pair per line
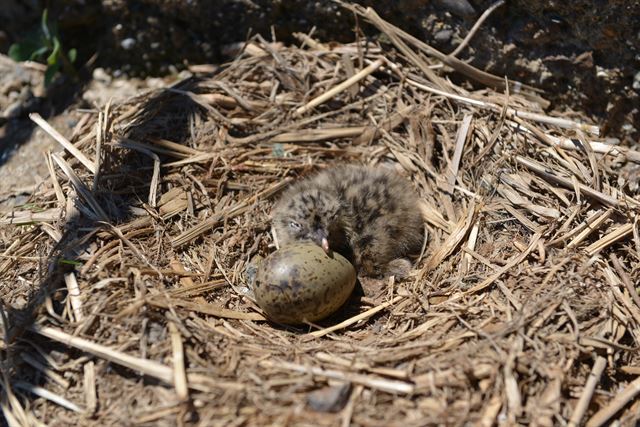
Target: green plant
x,y
45,42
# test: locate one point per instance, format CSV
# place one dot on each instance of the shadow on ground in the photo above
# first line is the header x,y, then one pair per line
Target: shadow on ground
x,y
123,183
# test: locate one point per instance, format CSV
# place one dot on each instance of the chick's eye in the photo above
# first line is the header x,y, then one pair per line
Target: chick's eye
x,y
295,225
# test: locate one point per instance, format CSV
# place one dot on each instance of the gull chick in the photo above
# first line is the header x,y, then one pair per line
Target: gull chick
x,y
370,215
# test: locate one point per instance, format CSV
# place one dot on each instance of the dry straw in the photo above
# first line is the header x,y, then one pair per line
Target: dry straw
x,y
118,277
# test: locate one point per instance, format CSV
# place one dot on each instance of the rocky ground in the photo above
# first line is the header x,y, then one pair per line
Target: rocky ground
x,y
584,55
23,145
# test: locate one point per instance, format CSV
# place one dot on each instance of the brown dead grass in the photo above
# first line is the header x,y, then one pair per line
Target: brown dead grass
x,y
119,279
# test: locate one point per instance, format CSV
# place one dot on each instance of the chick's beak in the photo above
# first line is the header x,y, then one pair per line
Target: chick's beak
x,y
321,240
325,244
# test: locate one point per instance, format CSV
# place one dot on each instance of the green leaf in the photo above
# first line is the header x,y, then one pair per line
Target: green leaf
x,y
32,207
55,53
24,50
72,54
50,73
17,52
36,54
69,262
44,25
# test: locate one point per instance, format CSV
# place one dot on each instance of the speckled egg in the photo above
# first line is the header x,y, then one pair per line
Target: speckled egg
x,y
301,283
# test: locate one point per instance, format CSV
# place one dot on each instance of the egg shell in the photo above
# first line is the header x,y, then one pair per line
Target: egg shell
x,y
301,283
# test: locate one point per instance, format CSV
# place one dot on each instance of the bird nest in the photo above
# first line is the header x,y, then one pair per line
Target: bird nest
x,y
121,277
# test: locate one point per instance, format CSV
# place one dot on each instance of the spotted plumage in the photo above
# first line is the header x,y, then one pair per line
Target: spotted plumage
x,y
370,215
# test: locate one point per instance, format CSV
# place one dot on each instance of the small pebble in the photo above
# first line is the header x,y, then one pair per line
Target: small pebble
x,y
330,398
461,8
636,81
443,36
128,43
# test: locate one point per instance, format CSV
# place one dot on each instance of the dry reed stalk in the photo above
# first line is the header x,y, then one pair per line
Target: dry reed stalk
x,y
147,367
206,309
519,114
74,296
179,372
609,239
228,213
90,389
510,264
552,176
491,412
81,188
585,229
390,386
618,402
153,186
456,64
37,118
461,138
89,383
46,394
355,319
340,87
387,372
47,371
54,179
625,279
475,27
21,218
100,131
454,239
11,407
315,135
172,147
587,392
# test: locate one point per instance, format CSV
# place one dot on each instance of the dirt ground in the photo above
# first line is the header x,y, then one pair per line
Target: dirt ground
x,y
583,56
24,146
